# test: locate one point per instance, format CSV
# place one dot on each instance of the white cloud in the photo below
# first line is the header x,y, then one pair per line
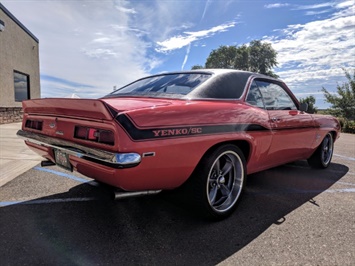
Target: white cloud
x,y
316,6
312,13
349,3
186,56
312,55
161,19
276,5
111,42
317,50
123,6
126,10
88,42
107,43
208,3
180,41
99,53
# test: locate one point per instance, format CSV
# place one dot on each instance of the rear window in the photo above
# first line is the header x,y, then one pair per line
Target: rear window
x,y
169,85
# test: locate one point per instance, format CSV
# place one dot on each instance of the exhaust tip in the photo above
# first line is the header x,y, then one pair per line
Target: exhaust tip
x,y
47,163
119,194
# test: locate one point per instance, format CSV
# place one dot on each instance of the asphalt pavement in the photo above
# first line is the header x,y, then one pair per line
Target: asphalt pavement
x,y
289,215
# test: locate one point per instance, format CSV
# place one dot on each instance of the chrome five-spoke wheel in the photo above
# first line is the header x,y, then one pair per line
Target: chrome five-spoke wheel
x,y
218,181
225,181
327,149
323,155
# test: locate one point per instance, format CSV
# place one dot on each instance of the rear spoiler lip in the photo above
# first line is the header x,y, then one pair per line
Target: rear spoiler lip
x,y
66,107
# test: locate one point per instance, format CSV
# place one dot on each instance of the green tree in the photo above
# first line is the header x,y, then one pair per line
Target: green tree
x,y
262,58
256,57
223,57
311,101
343,103
197,67
242,58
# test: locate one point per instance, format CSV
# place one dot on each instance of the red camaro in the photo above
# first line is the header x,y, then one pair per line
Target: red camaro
x,y
204,130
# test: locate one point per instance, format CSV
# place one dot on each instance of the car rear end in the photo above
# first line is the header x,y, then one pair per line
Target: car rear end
x,y
76,134
92,138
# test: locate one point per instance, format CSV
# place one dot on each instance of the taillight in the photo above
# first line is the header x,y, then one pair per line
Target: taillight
x,y
107,137
94,134
34,124
80,132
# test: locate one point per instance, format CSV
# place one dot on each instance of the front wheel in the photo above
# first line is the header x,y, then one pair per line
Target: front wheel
x,y
323,155
218,181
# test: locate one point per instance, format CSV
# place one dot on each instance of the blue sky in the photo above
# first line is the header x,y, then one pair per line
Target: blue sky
x,y
88,47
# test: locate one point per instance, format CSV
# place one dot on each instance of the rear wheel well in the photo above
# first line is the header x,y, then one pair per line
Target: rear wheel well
x,y
243,145
334,135
322,156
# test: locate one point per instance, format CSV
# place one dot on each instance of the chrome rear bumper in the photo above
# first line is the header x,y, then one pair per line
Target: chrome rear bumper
x,y
116,160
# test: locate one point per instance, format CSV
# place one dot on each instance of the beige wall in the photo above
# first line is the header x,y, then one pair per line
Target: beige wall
x,y
18,51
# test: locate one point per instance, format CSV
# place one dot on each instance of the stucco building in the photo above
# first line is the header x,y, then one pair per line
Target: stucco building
x,y
19,66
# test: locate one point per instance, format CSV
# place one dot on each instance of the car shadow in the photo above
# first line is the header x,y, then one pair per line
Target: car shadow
x,y
85,227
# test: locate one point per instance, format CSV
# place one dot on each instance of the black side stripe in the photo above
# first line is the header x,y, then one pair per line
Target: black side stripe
x,y
182,131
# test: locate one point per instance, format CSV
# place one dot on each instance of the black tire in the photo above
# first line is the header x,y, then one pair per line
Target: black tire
x,y
217,183
322,157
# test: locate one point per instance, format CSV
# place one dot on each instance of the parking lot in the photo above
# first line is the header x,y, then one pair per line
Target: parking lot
x,y
289,215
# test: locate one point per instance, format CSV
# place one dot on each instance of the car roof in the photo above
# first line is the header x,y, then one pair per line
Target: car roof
x,y
223,83
217,72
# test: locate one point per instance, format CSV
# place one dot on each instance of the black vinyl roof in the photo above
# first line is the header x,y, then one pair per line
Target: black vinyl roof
x,y
224,83
221,84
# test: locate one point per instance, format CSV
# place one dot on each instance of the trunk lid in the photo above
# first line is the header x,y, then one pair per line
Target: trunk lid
x,y
128,104
88,108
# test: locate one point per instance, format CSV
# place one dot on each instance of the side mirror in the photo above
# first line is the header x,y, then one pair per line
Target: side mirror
x,y
303,107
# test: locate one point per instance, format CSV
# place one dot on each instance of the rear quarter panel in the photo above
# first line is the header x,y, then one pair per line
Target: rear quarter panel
x,y
176,153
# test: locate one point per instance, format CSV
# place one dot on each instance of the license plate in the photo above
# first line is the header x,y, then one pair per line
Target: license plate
x,y
62,160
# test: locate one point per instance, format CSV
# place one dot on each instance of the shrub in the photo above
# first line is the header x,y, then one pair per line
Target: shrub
x,y
347,126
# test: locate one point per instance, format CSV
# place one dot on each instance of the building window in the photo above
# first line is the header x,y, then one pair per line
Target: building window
x,y
22,86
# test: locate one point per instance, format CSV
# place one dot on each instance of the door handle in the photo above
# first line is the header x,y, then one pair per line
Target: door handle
x,y
275,119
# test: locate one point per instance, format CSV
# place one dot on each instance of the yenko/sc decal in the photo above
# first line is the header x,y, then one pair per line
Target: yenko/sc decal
x,y
177,131
138,134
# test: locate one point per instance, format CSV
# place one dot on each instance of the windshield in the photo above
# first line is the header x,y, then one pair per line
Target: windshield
x,y
166,85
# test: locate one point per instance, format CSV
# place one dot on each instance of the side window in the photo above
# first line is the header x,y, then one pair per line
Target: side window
x,y
254,96
275,97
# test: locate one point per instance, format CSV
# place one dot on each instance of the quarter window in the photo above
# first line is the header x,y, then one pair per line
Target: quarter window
x,y
275,97
254,96
22,86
